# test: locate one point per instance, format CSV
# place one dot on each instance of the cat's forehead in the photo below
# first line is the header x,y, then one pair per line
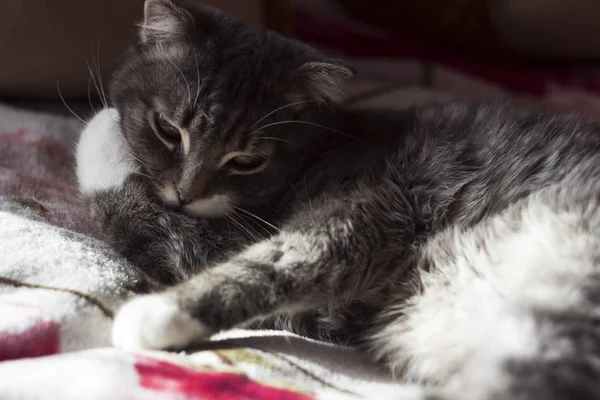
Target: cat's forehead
x,y
185,82
167,51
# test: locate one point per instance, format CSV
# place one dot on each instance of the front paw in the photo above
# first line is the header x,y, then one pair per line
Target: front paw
x,y
103,158
156,322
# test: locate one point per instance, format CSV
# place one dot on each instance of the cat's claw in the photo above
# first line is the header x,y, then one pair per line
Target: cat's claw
x,y
155,322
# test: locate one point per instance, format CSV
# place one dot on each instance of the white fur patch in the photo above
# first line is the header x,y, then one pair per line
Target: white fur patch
x,y
103,160
477,302
155,322
214,206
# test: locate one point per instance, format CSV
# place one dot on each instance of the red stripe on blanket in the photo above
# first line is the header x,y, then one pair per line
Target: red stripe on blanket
x,y
166,377
40,339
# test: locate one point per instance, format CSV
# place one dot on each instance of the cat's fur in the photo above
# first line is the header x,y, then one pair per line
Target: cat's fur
x,y
459,244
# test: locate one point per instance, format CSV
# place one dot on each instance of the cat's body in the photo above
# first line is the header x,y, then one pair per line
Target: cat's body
x,y
459,244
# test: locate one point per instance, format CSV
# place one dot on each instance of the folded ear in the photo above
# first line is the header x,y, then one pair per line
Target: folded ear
x,y
165,20
322,80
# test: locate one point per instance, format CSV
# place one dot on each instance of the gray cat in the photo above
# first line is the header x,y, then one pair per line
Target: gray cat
x,y
457,244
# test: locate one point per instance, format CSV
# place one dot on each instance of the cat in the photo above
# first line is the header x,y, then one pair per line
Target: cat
x,y
457,244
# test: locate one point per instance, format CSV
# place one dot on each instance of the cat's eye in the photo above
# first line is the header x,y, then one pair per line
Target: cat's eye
x,y
166,129
246,164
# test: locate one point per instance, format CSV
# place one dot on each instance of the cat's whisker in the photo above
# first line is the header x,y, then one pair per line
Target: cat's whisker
x,y
198,85
248,223
304,123
234,222
251,225
297,103
276,139
154,207
99,74
92,77
144,175
100,91
89,96
97,77
256,217
98,86
228,226
93,80
243,229
66,105
240,228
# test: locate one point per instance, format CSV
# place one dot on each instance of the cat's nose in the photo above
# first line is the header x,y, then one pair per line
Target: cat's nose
x,y
184,198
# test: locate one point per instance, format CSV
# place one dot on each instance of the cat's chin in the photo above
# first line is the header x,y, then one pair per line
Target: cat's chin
x,y
211,207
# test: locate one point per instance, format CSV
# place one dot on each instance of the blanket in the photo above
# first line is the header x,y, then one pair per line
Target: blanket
x,y
60,287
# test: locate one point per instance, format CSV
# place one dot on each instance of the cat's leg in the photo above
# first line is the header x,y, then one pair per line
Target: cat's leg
x,y
317,259
166,245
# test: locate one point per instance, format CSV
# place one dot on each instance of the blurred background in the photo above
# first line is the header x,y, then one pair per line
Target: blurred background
x,y
538,51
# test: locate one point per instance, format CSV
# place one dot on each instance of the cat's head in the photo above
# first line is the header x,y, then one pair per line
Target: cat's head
x,y
204,102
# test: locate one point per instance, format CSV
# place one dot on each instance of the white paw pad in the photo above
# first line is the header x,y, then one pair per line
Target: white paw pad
x,y
155,322
103,159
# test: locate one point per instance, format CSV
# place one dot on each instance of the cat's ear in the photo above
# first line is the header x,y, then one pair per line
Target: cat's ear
x,y
323,81
165,20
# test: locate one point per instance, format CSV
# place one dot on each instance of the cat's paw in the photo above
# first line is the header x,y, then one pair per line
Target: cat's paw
x,y
155,322
103,159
